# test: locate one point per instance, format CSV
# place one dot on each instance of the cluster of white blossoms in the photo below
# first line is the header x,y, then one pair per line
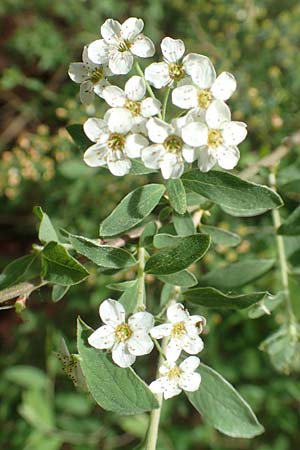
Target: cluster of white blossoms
x,y
135,126
127,340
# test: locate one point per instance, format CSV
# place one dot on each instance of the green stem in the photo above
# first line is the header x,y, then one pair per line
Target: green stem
x,y
165,103
140,304
281,252
148,87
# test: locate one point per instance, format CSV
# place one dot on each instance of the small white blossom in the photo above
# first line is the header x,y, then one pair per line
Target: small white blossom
x,y
125,340
216,140
132,99
183,331
173,68
120,44
208,87
90,76
114,142
175,378
169,151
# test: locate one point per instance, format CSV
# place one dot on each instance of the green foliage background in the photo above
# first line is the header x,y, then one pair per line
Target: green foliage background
x,y
259,42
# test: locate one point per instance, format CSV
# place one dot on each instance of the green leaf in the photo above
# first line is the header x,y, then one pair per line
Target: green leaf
x,y
177,196
102,255
77,134
223,407
163,240
47,232
147,236
26,376
237,274
16,271
212,298
113,388
183,224
129,297
58,292
122,286
188,249
132,209
183,279
138,168
235,212
37,409
231,191
266,305
220,236
291,226
59,267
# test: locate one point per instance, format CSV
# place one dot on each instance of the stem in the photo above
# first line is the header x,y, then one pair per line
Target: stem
x,y
165,103
149,88
140,304
281,252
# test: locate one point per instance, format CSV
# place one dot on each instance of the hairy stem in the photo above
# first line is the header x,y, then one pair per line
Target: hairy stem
x,y
148,87
165,103
140,304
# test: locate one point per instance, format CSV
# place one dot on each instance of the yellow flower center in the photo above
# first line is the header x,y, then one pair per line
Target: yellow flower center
x,y
215,138
174,373
178,330
204,98
133,107
124,45
116,141
97,75
123,332
173,144
176,71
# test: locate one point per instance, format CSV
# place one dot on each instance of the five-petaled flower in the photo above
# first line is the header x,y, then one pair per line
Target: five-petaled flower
x,y
120,44
175,378
92,77
114,144
125,340
183,331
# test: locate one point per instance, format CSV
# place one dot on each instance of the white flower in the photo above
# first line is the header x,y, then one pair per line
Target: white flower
x,y
120,44
125,340
168,152
217,141
132,98
175,378
183,331
92,77
114,143
208,87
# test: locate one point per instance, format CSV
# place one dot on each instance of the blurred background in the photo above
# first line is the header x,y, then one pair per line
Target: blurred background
x,y
259,42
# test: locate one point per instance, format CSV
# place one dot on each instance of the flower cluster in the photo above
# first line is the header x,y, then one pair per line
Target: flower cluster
x,y
127,340
135,126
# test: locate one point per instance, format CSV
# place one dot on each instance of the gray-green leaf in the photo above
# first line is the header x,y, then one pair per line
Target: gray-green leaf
x,y
220,236
291,226
177,196
47,232
183,279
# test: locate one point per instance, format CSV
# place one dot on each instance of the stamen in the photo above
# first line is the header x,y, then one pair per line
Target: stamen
x,y
116,141
215,138
96,75
176,71
133,107
124,45
173,144
174,373
178,330
204,98
123,332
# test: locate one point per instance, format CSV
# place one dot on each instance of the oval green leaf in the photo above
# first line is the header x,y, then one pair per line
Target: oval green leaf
x,y
291,227
177,196
183,279
220,236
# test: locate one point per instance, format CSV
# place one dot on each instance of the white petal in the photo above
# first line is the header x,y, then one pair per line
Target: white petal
x,y
195,134
161,331
120,63
143,47
114,96
158,130
178,123
139,125
95,128
134,145
112,312
87,92
121,355
207,159
190,154
150,107
158,386
192,345
100,86
172,49
98,51
190,364
196,115
135,88
131,28
140,344
172,166
95,156
78,72
157,74
85,56
177,313
234,132
110,31
141,321
166,367
216,114
152,156
195,324
173,349
185,97
201,70
119,166
224,86
102,338
190,381
171,390
120,121
228,157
